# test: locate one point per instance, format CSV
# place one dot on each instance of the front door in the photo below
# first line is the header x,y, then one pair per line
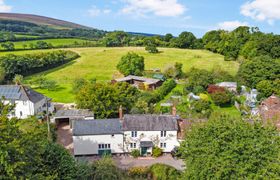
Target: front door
x,y
144,151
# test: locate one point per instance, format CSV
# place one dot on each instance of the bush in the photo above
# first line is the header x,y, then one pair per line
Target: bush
x,y
198,89
140,172
156,151
164,172
222,98
135,153
151,49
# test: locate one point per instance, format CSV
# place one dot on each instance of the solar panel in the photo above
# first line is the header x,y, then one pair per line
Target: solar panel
x,y
10,92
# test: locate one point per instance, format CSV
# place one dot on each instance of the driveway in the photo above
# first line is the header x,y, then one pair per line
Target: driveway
x,y
64,136
126,162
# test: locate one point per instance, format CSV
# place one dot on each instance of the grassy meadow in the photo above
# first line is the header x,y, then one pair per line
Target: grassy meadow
x,y
100,63
54,42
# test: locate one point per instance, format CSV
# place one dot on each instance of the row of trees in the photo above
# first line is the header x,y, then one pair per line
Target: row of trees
x,y
243,41
120,38
32,63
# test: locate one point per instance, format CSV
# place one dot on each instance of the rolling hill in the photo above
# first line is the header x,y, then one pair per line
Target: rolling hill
x,y
41,20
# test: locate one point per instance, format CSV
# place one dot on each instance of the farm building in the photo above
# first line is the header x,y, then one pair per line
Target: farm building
x,y
27,101
69,115
140,82
124,134
231,86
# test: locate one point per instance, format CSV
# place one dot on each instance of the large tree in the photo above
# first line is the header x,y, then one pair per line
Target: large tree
x,y
105,99
131,64
261,68
228,148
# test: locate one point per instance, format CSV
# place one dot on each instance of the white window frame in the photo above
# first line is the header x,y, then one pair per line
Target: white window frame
x,y
162,145
104,146
133,133
162,133
133,145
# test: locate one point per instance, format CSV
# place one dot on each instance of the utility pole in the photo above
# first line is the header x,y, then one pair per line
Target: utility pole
x,y
48,121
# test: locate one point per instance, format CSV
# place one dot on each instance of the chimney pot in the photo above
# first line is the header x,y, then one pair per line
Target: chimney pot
x,y
174,111
120,112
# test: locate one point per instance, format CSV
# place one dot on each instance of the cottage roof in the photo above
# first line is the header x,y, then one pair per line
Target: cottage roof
x,y
150,123
18,92
138,78
96,127
270,109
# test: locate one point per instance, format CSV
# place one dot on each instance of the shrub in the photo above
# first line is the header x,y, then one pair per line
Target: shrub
x,y
151,49
198,89
135,153
138,172
164,172
157,151
221,98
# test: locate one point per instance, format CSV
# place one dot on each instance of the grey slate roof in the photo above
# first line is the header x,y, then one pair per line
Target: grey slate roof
x,y
74,113
97,127
18,92
150,123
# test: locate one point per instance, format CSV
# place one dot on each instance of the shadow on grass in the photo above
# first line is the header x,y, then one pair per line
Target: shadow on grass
x,y
53,69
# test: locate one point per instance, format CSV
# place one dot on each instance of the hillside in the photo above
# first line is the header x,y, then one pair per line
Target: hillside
x,y
41,20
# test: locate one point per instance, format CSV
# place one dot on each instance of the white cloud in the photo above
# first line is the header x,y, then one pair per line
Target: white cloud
x,y
231,25
262,10
169,8
4,7
94,11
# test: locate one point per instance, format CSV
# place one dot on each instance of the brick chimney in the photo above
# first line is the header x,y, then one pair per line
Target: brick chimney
x,y
120,113
174,111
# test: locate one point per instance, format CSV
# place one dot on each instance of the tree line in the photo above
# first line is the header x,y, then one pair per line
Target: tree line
x,y
33,63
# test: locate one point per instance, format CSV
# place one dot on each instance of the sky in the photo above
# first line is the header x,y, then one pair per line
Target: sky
x,y
156,16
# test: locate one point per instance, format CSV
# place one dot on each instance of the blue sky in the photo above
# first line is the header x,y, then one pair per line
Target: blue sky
x,y
156,16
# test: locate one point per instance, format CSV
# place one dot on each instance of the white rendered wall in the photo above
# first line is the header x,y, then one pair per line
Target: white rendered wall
x,y
154,136
88,145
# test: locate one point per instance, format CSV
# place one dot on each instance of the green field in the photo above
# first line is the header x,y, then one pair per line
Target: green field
x,y
54,42
100,63
24,35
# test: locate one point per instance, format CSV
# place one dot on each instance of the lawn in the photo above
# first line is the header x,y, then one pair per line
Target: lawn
x,y
54,42
100,63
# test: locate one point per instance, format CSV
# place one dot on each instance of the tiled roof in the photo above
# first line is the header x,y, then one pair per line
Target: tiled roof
x,y
270,109
150,123
97,127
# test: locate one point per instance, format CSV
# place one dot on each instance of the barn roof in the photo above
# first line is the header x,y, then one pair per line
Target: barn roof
x,y
138,78
97,127
74,113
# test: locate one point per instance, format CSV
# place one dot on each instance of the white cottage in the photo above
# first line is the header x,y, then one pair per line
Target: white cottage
x,y
143,132
97,137
117,136
27,101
